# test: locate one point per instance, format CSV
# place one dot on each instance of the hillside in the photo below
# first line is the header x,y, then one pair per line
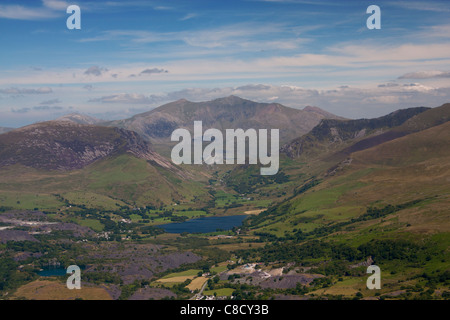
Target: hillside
x,y
416,166
327,147
398,157
331,134
61,145
385,205
93,166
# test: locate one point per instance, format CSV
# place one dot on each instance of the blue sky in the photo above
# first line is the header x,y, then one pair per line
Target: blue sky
x,y
131,56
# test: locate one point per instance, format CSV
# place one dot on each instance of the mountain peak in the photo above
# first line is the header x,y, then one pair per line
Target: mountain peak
x,y
79,118
231,112
232,99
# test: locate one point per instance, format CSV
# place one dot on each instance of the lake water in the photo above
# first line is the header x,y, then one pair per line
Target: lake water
x,y
52,272
204,225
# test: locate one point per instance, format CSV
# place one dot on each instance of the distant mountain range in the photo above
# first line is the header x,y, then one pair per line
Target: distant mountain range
x,y
75,140
125,151
225,113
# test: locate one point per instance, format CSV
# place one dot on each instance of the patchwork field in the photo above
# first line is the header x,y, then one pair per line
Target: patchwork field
x,y
224,292
197,283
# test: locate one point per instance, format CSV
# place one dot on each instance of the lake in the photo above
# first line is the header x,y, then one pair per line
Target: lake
x,y
53,272
204,224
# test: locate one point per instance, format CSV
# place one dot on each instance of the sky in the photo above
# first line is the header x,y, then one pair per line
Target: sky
x,y
132,56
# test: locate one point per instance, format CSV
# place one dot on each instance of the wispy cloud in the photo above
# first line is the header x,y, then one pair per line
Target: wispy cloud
x,y
238,36
434,6
18,12
37,109
14,90
55,4
188,16
129,98
426,75
49,102
48,10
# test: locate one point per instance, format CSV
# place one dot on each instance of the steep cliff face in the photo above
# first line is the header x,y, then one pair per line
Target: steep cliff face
x,y
62,145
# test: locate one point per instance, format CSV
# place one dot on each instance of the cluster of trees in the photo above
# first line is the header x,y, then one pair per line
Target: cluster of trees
x,y
32,246
390,250
378,249
152,231
249,183
243,291
438,277
10,277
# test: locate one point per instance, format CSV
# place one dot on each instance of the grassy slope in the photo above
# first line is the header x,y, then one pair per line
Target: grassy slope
x,y
409,168
105,185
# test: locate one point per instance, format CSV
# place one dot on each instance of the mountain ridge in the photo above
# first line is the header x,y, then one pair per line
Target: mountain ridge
x,y
64,145
332,134
224,113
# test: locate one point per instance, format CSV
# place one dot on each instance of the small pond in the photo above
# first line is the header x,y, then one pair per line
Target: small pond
x,y
52,272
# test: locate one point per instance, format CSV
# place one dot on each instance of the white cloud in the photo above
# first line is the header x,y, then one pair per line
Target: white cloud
x,y
384,99
50,9
55,4
18,12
